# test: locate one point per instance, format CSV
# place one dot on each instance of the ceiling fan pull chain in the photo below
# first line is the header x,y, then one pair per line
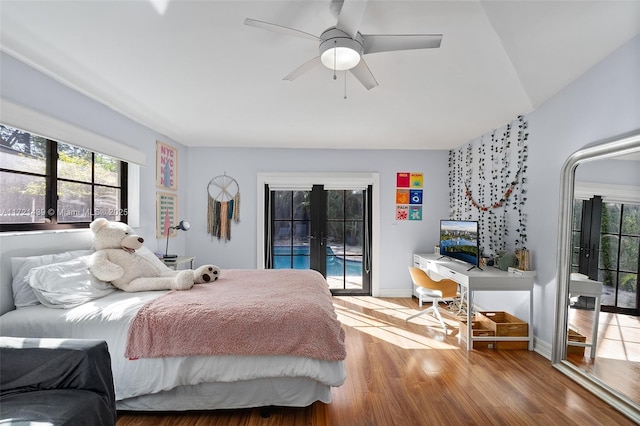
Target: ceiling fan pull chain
x,y
345,84
334,59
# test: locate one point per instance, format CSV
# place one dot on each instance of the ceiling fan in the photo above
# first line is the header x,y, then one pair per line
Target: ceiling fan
x,y
342,46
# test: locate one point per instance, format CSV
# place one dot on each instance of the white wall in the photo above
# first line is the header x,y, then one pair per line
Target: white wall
x,y
610,171
399,239
602,103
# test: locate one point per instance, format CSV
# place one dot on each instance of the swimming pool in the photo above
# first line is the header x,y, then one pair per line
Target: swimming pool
x,y
301,260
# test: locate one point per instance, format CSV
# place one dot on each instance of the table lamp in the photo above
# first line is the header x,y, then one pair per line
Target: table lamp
x,y
182,226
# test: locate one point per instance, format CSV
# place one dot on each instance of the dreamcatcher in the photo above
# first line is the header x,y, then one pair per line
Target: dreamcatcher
x,y
223,206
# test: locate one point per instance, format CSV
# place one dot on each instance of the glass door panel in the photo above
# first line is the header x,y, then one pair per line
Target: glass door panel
x,y
345,245
619,258
290,225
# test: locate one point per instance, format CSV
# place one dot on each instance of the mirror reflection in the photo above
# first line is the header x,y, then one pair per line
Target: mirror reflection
x,y
603,303
599,299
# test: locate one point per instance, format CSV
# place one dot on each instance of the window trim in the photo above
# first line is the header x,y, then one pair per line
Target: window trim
x,y
610,193
51,190
36,122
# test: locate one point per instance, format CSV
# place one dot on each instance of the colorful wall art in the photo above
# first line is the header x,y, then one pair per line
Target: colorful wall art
x,y
166,166
166,214
409,195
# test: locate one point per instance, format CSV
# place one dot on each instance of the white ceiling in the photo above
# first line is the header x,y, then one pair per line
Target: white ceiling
x,y
194,72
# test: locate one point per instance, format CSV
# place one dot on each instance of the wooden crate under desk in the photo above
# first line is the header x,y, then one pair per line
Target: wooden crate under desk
x,y
478,331
574,336
505,325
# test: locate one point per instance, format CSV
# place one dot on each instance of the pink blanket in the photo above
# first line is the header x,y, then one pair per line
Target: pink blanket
x,y
245,312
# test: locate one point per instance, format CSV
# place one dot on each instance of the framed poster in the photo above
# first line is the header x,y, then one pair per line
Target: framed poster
x,y
416,180
402,212
415,212
402,196
403,179
166,214
166,166
415,196
409,195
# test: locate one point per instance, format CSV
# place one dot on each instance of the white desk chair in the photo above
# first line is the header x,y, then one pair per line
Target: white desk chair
x,y
436,290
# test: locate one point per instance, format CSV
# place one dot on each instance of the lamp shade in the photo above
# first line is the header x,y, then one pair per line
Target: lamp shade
x,y
183,225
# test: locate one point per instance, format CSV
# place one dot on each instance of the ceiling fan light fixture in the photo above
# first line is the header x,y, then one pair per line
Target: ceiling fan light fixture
x,y
340,58
338,51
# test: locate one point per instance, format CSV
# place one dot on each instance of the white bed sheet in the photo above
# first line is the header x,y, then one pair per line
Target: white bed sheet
x,y
108,319
285,391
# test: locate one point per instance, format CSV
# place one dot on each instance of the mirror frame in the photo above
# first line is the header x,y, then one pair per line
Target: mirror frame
x,y
613,147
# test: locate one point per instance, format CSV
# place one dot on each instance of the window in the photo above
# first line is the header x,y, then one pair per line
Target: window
x,y
619,256
606,247
45,184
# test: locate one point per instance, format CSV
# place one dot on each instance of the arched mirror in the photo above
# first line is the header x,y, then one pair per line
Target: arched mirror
x,y
597,334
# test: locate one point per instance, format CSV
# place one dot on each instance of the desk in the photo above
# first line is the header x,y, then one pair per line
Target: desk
x,y
175,262
488,279
583,286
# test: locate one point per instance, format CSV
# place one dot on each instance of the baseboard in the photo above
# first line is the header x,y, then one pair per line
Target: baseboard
x,y
395,292
542,347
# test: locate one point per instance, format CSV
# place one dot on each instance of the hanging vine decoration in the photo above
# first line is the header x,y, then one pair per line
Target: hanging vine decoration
x,y
497,204
498,176
481,176
523,153
452,186
488,216
505,176
469,175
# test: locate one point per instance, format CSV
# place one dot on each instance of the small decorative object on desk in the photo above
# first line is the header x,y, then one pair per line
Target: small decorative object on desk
x,y
504,260
523,259
521,272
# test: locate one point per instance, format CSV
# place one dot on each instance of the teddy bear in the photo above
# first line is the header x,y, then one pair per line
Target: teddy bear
x,y
121,259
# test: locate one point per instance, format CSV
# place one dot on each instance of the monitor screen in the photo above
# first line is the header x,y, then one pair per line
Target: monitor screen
x,y
459,240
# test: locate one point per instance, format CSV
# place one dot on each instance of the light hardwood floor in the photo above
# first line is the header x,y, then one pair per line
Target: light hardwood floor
x,y
411,374
617,361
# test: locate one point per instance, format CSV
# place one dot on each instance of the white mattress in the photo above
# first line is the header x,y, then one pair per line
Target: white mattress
x,y
108,319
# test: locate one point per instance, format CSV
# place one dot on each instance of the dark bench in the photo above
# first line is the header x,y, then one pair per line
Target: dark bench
x,y
58,381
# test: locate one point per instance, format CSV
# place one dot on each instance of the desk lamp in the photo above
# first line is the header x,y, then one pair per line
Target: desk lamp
x,y
182,226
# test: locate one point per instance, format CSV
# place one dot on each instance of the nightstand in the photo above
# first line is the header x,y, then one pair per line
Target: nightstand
x,y
176,262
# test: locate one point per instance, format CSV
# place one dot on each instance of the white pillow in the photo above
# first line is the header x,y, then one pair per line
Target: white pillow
x,y
151,257
66,284
20,266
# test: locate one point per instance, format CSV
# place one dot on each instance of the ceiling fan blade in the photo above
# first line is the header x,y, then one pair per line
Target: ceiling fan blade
x,y
364,75
279,29
387,43
303,68
351,16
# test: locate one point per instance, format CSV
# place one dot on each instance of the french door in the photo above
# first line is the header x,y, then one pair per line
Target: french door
x,y
327,230
607,248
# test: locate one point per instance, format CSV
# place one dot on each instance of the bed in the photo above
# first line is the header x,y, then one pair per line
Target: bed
x,y
247,357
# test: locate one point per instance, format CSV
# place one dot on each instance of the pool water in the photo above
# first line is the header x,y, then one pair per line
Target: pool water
x,y
301,260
